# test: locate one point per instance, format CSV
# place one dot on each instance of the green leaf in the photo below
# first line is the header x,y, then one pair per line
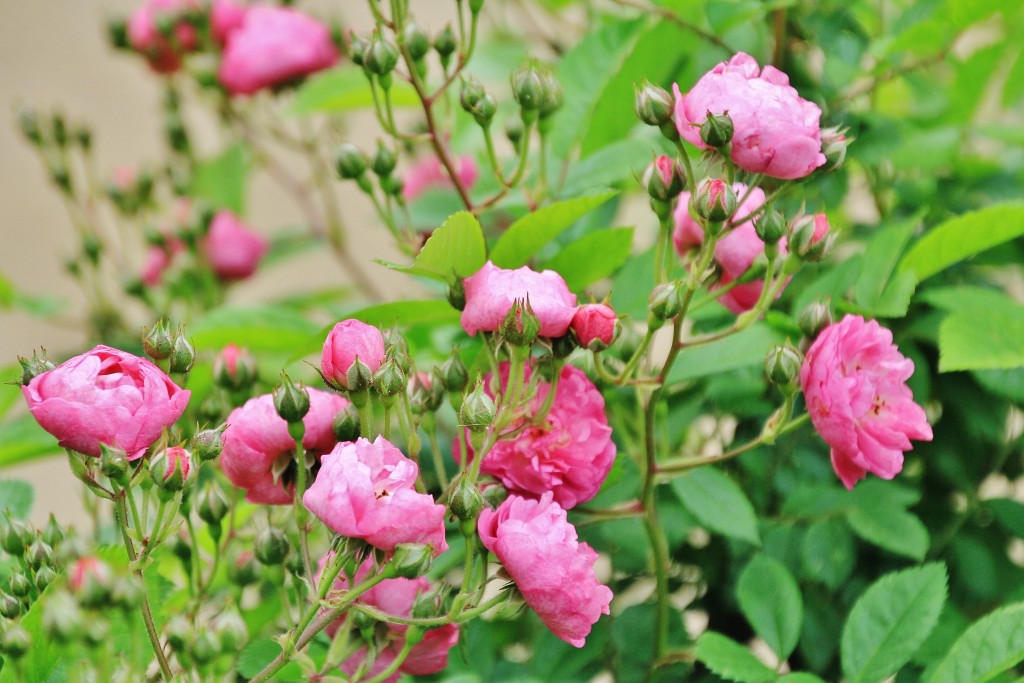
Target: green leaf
x,y
962,237
16,497
406,313
880,258
456,248
989,647
259,328
257,654
730,660
963,297
221,180
343,89
43,661
982,338
526,236
828,552
890,621
613,163
800,677
741,350
891,528
23,439
1009,513
770,600
593,257
718,503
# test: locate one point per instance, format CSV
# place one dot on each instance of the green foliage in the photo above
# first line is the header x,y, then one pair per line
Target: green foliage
x,y
456,249
718,503
344,89
16,497
221,180
593,257
730,660
992,645
770,600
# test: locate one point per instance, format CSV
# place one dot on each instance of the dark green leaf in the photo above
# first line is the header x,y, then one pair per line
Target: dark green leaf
x,y
1009,513
718,503
221,180
258,654
892,528
828,552
770,600
593,257
989,647
741,350
343,89
16,497
730,660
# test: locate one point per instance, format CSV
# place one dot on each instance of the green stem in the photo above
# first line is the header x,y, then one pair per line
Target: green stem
x,y
297,431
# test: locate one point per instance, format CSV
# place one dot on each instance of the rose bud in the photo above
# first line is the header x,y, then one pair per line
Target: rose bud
x,y
348,341
595,326
271,546
477,412
234,369
714,200
232,248
782,364
172,469
717,130
36,365
291,402
91,580
653,105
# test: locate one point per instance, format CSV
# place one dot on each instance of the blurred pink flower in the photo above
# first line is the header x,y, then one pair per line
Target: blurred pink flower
x,y
273,46
232,248
258,449
105,396
159,259
555,573
429,172
854,382
225,17
776,132
367,490
163,52
491,292
348,340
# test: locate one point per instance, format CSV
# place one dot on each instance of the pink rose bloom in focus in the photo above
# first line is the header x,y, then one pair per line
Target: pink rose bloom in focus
x,y
594,323
735,252
256,443
568,454
491,292
225,17
555,573
367,490
348,340
163,53
395,597
854,382
429,172
232,248
105,396
776,132
273,46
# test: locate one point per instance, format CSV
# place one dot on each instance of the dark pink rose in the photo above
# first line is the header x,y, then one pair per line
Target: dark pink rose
x,y
491,292
348,340
232,248
106,396
555,573
273,46
428,172
367,490
163,52
854,382
594,323
567,454
258,453
776,132
225,17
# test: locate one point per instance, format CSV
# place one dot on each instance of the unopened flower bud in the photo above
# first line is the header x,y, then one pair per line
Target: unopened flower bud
x,y
477,411
19,585
234,368
381,57
664,179
172,469
211,505
416,40
62,619
357,47
454,375
127,593
60,130
346,424
396,348
358,376
349,161
70,549
595,326
384,160
28,122
290,400
552,96
478,102
782,364
176,133
653,105
16,641
562,347
90,580
716,131
714,200
457,294
182,550
44,577
208,443
811,238
521,325
16,536
528,86
10,606
114,463
834,143
271,546
666,300
466,500
39,554
514,132
814,319
770,226
34,366
230,629
60,176
444,43
495,495
389,380
183,357
53,533
244,569
178,632
412,560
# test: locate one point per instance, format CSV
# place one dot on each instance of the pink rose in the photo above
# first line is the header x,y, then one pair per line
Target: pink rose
x,y
258,453
105,396
568,454
594,323
776,132
350,340
428,172
232,248
163,53
395,597
555,573
273,46
854,382
225,17
491,292
367,490
734,253
174,458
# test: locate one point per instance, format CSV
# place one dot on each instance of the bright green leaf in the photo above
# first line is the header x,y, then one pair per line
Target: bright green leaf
x,y
527,235
614,163
718,503
989,647
891,528
982,338
770,600
962,297
221,180
456,248
406,313
258,654
343,89
593,257
889,622
880,258
800,677
741,350
16,497
730,660
259,328
43,661
23,439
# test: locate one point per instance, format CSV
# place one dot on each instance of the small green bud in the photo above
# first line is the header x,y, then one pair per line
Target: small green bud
x,y
814,319
34,366
664,179
53,533
60,176
444,43
381,57
833,145
528,87
666,300
39,554
208,443
389,380
62,619
770,226
183,357
182,549
653,105
416,40
349,161
475,6
477,411
477,102
271,546
60,130
83,137
782,364
230,629
714,201
466,500
717,129
114,463
357,47
28,122
206,647
412,560
346,423
234,368
552,96
158,342
10,606
211,505
16,641
290,400
44,577
811,238
172,469
384,160
454,375
358,376
495,496
521,325
457,294
514,131
176,133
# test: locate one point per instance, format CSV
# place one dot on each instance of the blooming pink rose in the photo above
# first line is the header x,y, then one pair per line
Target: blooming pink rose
x,y
367,490
163,53
568,454
428,172
105,396
491,292
734,253
232,248
776,132
348,340
555,573
225,17
594,322
274,45
256,443
854,382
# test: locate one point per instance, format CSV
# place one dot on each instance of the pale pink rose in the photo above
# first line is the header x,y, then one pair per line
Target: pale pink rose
x,y
734,253
776,132
106,396
225,17
568,454
367,490
163,53
232,248
594,322
428,172
491,292
257,437
348,340
854,383
555,573
273,46
395,597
